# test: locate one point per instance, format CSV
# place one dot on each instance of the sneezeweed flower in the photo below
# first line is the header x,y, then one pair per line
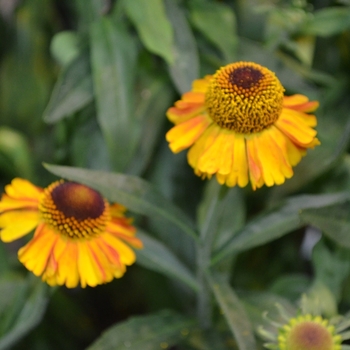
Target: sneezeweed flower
x,y
79,238
239,126
307,332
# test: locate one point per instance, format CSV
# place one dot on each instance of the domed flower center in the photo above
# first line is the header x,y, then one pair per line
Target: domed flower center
x,y
244,97
309,333
74,210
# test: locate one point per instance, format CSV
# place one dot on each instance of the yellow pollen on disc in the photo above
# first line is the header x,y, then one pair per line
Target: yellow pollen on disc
x,y
74,210
244,97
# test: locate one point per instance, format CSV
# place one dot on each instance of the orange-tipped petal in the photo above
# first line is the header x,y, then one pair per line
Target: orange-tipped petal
x,y
186,134
300,103
295,128
35,254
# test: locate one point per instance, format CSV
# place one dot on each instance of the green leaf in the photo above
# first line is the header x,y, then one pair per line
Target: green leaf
x,y
217,22
26,314
73,90
327,22
331,268
233,311
156,256
153,26
290,286
332,220
134,193
185,68
274,224
89,11
155,331
113,63
156,97
216,222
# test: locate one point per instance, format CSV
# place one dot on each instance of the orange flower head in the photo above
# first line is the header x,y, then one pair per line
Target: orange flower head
x,y
79,237
239,126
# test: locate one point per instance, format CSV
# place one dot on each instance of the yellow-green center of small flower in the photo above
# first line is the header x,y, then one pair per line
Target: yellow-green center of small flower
x,y
244,97
308,333
74,210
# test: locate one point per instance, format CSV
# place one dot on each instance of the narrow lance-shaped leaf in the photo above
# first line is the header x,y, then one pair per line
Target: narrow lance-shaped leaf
x,y
154,331
113,63
153,26
331,267
233,311
31,313
134,193
185,68
150,112
327,22
158,257
332,220
89,10
73,90
272,225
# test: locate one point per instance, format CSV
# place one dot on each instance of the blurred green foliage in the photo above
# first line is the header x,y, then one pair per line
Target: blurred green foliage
x,y
85,84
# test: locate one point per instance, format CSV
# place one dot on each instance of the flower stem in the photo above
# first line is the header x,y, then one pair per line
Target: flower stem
x,y
204,250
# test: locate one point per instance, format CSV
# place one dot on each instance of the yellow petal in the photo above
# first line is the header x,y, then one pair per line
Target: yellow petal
x,y
89,273
185,134
126,254
300,103
66,254
8,203
117,210
295,128
194,97
101,261
296,99
21,188
255,172
202,144
239,169
278,145
126,233
112,255
300,117
217,157
34,256
201,85
268,163
16,224
272,158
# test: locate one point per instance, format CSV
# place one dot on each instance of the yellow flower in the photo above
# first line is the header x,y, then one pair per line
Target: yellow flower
x,y
239,125
79,237
307,332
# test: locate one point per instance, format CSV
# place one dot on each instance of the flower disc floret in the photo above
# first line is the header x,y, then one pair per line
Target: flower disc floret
x,y
74,210
308,332
244,97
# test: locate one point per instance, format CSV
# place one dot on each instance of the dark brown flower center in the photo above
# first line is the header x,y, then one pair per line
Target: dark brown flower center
x,y
245,77
78,201
74,210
